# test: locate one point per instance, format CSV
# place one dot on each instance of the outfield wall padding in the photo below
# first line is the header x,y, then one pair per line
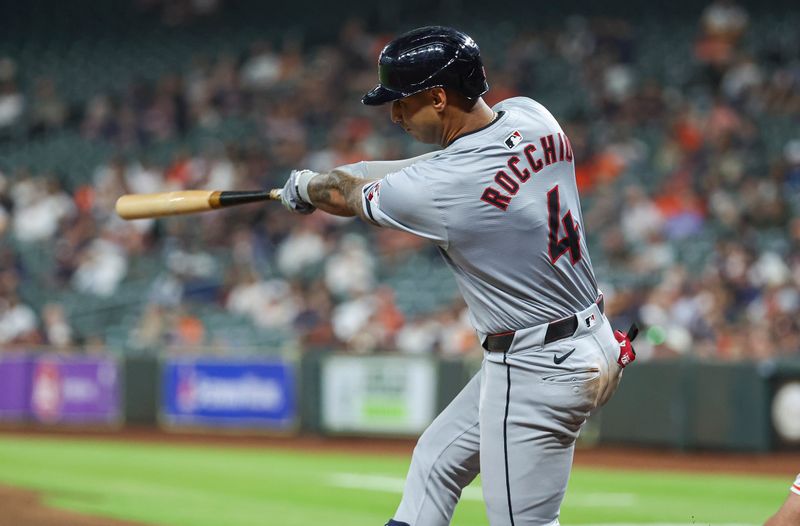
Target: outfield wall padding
x,y
727,407
679,404
690,405
649,407
141,388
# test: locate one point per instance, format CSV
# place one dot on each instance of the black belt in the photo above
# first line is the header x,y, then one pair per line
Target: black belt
x,y
556,330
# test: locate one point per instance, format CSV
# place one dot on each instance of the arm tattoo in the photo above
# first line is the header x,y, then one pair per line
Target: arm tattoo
x,y
337,193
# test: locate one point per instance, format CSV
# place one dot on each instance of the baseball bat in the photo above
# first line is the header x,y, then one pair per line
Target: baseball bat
x,y
633,332
141,206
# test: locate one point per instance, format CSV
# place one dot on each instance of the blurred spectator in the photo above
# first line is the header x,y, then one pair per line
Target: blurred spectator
x,y
101,267
642,218
692,207
57,331
167,290
4,220
742,80
301,250
12,100
188,330
18,323
39,206
140,177
98,120
682,212
262,68
270,304
722,24
350,318
724,19
192,263
386,317
791,177
217,170
457,336
350,269
151,329
47,111
313,320
418,336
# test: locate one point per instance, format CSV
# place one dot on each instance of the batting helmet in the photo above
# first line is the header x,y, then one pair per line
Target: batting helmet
x,y
428,57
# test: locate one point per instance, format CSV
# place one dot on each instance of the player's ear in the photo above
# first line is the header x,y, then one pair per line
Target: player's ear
x,y
438,99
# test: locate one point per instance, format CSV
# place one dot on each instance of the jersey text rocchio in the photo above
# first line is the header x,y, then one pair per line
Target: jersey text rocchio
x,y
553,149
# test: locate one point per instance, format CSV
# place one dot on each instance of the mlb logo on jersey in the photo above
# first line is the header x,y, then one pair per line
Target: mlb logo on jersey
x,y
372,197
513,140
373,192
591,320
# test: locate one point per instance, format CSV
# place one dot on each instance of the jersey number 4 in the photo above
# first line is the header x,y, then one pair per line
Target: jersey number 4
x,y
557,245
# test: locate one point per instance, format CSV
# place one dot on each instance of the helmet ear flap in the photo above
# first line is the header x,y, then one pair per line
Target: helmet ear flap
x,y
475,81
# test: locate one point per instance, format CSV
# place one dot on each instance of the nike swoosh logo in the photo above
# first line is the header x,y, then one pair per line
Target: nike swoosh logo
x,y
559,359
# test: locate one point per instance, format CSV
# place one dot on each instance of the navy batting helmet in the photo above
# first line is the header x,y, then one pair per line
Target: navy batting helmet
x,y
428,57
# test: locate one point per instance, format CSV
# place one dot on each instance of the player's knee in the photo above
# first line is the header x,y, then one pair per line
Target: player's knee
x,y
424,451
431,458
428,454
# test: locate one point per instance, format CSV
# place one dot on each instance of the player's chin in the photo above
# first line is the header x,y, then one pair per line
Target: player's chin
x,y
421,137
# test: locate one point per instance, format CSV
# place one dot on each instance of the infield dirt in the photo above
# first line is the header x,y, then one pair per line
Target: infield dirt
x,y
25,508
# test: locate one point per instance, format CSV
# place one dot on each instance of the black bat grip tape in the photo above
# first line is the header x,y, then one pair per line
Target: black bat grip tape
x,y
238,198
633,331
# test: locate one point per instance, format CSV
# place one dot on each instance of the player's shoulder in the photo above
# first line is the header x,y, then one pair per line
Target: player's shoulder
x,y
520,103
429,178
524,106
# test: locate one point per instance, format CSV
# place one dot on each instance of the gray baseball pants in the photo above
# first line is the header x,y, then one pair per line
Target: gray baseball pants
x,y
516,423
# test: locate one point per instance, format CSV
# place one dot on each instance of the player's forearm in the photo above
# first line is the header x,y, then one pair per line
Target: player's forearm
x,y
337,193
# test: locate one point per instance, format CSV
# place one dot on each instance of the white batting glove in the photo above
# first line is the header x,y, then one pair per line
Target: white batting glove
x,y
291,197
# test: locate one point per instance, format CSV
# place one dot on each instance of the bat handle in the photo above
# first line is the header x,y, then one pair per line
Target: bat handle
x,y
275,194
633,332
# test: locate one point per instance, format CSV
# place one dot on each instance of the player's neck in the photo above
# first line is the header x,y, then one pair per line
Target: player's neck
x,y
463,122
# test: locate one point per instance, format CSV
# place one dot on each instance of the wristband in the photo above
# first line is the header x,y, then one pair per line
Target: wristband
x,y
303,178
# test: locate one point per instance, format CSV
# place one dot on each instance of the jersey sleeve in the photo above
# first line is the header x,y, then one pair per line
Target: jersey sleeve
x,y
379,169
796,486
404,201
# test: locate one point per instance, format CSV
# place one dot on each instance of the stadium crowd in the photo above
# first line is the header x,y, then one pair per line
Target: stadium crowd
x,y
715,191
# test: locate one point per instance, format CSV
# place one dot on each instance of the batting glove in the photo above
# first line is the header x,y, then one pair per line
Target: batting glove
x,y
290,197
626,352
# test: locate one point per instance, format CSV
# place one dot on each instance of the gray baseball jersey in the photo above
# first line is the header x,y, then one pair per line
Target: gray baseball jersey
x,y
502,205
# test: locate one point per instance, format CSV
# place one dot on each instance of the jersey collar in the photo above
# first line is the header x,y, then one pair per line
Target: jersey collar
x,y
482,128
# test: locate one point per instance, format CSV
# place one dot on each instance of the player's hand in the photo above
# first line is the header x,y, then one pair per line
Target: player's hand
x,y
626,352
290,197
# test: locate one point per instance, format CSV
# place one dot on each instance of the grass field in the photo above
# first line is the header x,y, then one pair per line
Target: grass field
x,y
184,485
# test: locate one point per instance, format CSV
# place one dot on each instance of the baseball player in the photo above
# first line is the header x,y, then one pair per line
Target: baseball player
x,y
789,514
499,201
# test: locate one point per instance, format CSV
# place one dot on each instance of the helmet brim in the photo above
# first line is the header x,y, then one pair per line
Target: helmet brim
x,y
381,95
